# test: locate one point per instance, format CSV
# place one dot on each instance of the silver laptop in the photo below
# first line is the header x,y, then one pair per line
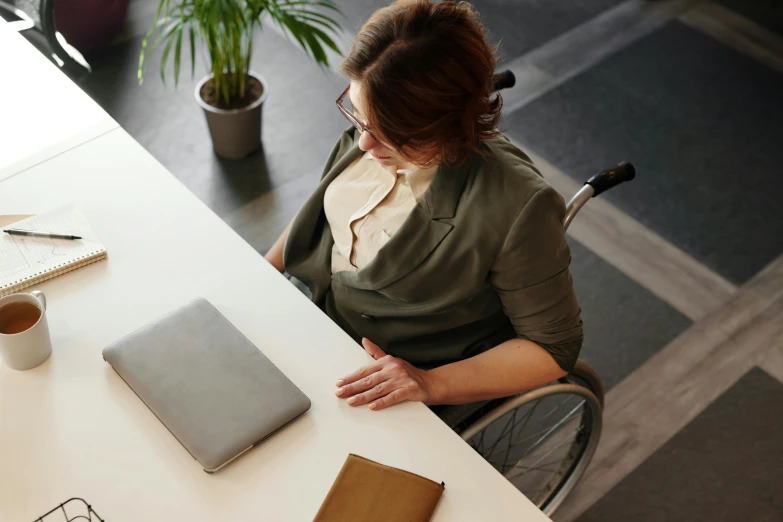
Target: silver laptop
x,y
206,382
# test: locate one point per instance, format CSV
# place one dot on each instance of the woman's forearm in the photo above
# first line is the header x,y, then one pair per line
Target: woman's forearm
x,y
275,254
509,368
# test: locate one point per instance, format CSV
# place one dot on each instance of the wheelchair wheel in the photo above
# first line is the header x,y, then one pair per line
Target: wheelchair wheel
x,y
542,441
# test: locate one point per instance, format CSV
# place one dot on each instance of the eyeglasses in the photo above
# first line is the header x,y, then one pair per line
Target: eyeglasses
x,y
361,127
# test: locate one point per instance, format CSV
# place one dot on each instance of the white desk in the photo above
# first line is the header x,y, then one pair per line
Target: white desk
x,y
42,113
71,427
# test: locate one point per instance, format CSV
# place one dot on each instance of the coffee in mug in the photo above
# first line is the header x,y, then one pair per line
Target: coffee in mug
x,y
16,317
24,331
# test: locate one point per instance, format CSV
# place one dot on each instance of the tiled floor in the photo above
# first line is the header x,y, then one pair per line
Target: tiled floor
x,y
701,121
768,13
519,26
722,467
611,303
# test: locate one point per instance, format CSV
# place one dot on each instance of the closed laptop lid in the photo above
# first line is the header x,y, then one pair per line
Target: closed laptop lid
x,y
206,382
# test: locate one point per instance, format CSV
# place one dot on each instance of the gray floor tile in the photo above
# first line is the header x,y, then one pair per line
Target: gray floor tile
x,y
767,13
300,120
701,122
522,25
723,466
262,221
624,324
517,25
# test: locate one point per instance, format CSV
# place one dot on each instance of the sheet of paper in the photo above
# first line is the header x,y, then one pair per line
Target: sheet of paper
x,y
25,256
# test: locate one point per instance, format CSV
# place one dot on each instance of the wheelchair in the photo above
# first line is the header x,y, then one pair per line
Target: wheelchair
x,y
542,440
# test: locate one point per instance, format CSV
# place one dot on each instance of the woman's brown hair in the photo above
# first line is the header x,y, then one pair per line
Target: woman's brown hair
x,y
426,71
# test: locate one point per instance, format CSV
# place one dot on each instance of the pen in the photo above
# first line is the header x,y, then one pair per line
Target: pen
x,y
17,232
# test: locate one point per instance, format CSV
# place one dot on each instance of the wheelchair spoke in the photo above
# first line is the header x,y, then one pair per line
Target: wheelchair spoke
x,y
509,428
528,416
515,429
510,440
543,430
555,408
552,429
544,466
540,443
570,438
536,434
508,425
497,464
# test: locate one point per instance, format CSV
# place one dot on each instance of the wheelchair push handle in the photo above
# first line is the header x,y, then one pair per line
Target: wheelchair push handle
x,y
611,177
597,185
504,80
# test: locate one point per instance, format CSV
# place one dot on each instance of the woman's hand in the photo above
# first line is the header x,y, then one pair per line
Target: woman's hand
x,y
387,381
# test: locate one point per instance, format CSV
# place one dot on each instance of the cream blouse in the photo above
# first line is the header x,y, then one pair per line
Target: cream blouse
x,y
366,204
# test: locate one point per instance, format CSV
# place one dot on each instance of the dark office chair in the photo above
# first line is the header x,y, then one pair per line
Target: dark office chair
x,y
34,19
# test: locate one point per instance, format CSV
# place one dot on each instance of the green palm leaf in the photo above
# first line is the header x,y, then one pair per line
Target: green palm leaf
x,y
226,29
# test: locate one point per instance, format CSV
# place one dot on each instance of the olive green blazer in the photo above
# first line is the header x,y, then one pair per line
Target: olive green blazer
x,y
481,259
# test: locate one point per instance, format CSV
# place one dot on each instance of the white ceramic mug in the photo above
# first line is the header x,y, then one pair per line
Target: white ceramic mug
x,y
31,347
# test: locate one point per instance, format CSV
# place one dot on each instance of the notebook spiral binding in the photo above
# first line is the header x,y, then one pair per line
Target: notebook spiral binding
x,y
63,268
60,513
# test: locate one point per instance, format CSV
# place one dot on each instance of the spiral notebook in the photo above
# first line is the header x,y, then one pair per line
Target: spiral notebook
x,y
26,261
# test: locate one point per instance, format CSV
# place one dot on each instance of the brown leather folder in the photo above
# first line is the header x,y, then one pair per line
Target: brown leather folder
x,y
367,491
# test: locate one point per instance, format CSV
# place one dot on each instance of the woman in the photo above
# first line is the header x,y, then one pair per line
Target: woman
x,y
431,238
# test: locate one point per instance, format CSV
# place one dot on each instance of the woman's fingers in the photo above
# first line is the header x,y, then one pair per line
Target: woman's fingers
x,y
381,384
361,373
373,349
384,394
379,390
395,397
361,385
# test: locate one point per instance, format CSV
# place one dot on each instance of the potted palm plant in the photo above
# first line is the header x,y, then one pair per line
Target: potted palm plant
x,y
232,95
